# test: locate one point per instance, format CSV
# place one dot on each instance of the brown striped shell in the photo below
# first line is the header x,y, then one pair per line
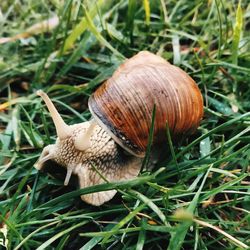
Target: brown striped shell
x,y
124,104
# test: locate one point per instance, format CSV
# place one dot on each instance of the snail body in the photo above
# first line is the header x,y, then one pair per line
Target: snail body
x,y
110,146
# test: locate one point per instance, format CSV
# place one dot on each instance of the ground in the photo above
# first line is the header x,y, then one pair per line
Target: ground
x,y
197,196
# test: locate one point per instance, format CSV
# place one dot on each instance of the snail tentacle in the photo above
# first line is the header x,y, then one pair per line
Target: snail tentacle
x,y
62,129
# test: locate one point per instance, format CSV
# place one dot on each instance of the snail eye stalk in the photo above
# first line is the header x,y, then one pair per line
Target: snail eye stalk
x,y
62,129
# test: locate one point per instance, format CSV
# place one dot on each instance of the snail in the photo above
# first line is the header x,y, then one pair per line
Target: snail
x,y
111,146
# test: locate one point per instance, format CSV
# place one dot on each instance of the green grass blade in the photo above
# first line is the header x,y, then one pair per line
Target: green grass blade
x,y
220,127
207,39
60,234
99,37
121,223
33,233
237,33
141,238
81,27
146,6
101,187
150,140
151,204
177,238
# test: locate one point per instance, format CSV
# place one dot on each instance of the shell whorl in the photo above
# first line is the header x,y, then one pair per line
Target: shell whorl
x,y
124,104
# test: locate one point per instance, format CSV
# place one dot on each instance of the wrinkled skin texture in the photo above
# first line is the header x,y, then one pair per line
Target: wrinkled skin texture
x,y
103,160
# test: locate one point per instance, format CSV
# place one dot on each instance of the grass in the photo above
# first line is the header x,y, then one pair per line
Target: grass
x,y
198,197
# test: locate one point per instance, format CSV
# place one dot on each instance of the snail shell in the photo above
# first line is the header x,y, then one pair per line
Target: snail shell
x,y
124,104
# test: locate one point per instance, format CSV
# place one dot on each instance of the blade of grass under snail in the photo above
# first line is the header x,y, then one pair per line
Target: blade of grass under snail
x,y
150,140
100,187
171,146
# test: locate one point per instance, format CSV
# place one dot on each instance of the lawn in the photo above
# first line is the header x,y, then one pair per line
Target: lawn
x,y
197,196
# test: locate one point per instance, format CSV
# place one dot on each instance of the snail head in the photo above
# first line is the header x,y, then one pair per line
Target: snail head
x,y
73,141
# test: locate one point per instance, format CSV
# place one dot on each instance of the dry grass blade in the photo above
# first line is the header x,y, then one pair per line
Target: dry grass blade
x,y
228,236
42,27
